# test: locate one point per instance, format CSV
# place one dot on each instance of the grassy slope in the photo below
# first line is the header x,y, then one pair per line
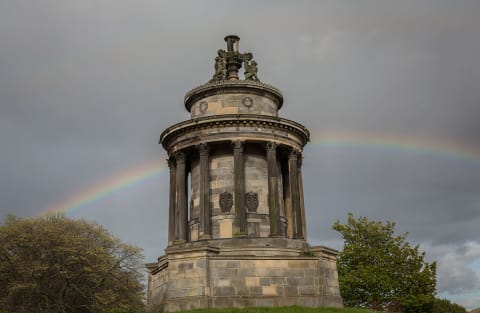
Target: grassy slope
x,y
291,309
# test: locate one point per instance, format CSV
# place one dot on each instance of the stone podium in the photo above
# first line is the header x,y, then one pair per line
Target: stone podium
x,y
237,232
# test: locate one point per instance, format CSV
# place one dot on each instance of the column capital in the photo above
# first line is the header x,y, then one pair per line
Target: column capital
x,y
203,148
238,145
294,154
271,146
171,163
300,161
180,157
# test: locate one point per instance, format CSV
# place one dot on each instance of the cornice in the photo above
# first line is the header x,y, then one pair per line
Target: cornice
x,y
235,120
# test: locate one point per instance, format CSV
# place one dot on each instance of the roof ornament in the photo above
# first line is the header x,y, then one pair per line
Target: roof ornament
x,y
227,63
250,67
220,67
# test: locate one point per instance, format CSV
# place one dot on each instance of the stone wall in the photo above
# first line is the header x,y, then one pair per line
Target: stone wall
x,y
158,282
234,104
266,277
256,272
221,180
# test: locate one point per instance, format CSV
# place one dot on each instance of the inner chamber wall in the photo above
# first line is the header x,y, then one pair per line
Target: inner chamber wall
x,y
221,180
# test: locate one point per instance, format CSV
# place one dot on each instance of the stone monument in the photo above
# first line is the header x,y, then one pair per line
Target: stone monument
x,y
237,234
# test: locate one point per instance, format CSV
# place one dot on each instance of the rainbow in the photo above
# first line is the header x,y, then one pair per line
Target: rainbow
x,y
94,193
398,142
392,142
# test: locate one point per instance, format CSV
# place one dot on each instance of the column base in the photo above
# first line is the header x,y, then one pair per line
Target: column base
x,y
205,237
179,242
240,234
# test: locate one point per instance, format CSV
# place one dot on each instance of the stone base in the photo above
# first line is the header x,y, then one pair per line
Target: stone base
x,y
243,272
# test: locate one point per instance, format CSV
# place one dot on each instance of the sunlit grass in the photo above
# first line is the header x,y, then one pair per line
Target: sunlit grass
x,y
289,309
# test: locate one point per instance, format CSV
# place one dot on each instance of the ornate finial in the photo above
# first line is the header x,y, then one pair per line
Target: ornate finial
x,y
234,58
232,43
227,63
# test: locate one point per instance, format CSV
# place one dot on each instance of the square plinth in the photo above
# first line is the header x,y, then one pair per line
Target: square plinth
x,y
243,272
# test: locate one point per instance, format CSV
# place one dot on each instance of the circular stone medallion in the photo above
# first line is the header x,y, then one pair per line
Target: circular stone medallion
x,y
247,101
203,107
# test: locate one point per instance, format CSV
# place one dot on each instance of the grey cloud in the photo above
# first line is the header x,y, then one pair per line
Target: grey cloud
x,y
455,275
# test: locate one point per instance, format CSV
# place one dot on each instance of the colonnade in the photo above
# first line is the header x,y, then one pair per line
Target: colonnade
x,y
178,202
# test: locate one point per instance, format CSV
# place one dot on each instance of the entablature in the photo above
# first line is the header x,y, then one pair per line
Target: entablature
x,y
234,127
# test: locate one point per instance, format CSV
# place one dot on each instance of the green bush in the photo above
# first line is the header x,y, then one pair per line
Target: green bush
x,y
382,271
445,306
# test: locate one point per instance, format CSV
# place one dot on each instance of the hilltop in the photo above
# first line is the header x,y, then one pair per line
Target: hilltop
x,y
291,309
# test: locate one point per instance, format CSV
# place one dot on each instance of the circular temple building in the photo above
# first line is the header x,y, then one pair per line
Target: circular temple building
x,y
237,232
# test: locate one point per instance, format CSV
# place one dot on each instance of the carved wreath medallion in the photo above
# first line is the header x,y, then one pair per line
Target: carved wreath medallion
x,y
203,107
226,201
247,101
251,201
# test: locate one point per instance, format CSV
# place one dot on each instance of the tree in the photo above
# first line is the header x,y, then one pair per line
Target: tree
x,y
56,264
381,271
445,306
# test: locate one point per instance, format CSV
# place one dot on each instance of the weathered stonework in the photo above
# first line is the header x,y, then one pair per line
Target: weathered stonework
x,y
237,236
242,103
245,272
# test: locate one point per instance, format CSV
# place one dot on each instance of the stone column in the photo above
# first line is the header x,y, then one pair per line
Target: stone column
x,y
295,194
205,223
239,181
302,199
273,205
181,215
287,199
171,201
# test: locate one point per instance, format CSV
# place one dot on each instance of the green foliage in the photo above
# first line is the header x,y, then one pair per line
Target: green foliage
x,y
381,271
55,264
445,306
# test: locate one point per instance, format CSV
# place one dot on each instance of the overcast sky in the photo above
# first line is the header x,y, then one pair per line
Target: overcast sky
x,y
86,88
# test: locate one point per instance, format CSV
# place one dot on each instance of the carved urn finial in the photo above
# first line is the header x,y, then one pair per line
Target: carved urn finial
x,y
233,57
232,43
228,63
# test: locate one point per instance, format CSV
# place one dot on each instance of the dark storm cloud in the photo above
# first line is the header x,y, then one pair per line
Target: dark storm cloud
x,y
86,88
